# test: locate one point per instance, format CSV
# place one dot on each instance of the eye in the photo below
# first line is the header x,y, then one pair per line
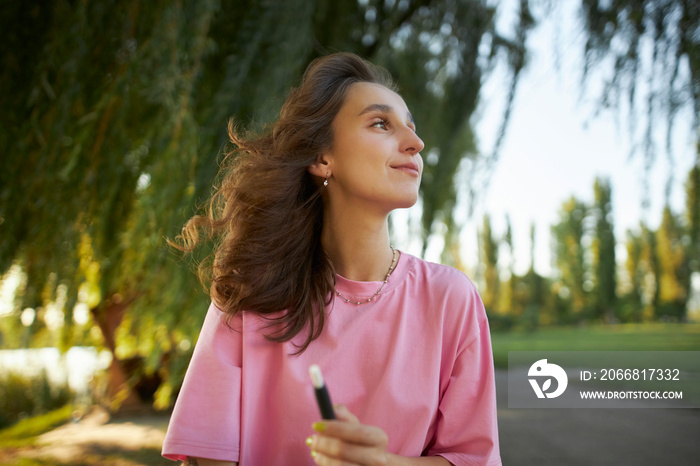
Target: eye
x,y
382,123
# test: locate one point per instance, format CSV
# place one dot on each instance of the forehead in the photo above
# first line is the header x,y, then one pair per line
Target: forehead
x,y
362,95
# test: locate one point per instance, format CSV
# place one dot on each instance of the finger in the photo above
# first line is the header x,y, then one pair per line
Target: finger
x,y
344,414
355,433
323,460
335,451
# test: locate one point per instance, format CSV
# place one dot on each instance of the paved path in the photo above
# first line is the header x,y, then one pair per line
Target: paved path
x,y
97,440
573,437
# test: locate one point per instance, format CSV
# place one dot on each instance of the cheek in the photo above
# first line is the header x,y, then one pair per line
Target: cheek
x,y
352,148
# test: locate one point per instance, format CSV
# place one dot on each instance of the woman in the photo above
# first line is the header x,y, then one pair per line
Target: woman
x,y
304,274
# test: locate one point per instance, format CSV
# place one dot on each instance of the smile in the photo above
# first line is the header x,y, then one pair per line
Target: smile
x,y
410,168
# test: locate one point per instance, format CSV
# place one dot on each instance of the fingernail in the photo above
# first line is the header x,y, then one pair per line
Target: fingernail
x,y
313,454
309,441
319,426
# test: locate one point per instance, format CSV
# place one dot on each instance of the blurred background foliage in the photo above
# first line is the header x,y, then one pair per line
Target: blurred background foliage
x,y
113,123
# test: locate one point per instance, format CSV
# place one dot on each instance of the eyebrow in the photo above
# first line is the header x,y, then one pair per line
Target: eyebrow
x,y
383,108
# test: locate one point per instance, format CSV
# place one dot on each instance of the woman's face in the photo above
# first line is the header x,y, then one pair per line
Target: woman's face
x,y
374,160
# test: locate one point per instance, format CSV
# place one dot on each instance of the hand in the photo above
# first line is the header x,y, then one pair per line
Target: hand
x,y
345,441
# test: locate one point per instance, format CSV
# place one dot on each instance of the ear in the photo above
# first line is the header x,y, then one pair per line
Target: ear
x,y
322,166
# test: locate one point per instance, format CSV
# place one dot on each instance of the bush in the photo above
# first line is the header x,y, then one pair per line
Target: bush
x,y
501,322
22,396
24,432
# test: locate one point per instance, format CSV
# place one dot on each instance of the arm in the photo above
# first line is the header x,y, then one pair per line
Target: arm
x,y
206,419
206,462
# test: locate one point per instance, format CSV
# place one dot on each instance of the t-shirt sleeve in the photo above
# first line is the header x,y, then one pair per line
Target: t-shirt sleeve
x,y
206,419
467,429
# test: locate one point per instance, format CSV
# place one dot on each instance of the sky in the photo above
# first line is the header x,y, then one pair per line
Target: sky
x,y
556,146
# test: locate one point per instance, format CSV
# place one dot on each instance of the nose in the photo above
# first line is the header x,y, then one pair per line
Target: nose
x,y
411,143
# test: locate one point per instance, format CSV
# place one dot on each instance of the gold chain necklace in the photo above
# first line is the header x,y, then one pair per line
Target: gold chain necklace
x,y
376,293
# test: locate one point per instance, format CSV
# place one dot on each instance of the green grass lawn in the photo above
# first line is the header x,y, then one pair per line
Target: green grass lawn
x,y
622,337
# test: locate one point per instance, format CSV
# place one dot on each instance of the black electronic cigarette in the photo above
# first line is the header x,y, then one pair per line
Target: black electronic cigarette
x,y
322,397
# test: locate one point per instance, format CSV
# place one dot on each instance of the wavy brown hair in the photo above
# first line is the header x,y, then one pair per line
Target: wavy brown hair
x,y
267,214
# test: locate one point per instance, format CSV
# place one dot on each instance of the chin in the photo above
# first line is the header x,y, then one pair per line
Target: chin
x,y
396,199
407,201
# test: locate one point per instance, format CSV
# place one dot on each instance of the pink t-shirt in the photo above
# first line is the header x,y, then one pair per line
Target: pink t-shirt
x,y
416,362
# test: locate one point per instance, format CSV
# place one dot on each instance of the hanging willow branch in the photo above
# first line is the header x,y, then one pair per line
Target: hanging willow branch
x,y
648,53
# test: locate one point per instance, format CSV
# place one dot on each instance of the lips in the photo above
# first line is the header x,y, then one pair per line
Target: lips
x,y
410,167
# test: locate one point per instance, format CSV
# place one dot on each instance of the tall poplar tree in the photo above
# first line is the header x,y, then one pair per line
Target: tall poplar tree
x,y
692,211
508,296
536,310
489,264
604,265
569,252
651,271
635,275
673,267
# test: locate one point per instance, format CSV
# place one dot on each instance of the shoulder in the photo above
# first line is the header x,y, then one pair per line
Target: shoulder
x,y
439,278
446,295
446,292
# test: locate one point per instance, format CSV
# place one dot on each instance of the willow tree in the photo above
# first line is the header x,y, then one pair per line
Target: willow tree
x,y
114,116
441,73
647,54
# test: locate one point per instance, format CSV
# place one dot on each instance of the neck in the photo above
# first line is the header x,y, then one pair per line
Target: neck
x,y
357,245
